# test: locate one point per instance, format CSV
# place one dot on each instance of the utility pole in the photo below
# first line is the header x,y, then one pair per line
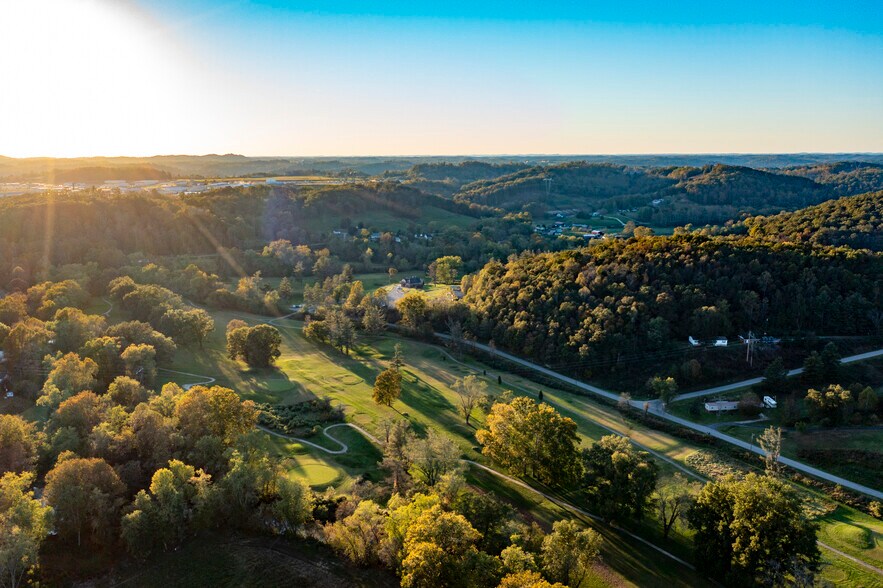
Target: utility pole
x,y
749,351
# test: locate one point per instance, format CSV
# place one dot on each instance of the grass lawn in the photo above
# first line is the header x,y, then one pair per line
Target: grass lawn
x,y
682,409
307,370
868,439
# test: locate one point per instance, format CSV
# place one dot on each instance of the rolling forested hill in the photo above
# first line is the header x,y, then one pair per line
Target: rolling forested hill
x,y
593,305
845,178
61,228
667,196
856,221
571,184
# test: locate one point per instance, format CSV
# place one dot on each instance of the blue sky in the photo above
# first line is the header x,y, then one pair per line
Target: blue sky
x,y
383,78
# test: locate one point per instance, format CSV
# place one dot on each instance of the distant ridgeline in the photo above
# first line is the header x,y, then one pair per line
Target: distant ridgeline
x,y
594,305
470,168
42,230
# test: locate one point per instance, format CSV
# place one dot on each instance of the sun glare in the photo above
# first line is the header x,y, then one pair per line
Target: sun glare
x,y
90,77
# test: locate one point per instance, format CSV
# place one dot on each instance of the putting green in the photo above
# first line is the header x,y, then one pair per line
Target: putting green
x,y
316,473
345,379
856,536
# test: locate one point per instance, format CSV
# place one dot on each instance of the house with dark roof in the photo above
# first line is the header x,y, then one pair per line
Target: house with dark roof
x,y
412,282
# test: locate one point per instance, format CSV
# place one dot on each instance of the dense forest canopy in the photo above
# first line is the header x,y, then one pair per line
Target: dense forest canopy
x,y
597,303
666,195
856,221
570,180
844,177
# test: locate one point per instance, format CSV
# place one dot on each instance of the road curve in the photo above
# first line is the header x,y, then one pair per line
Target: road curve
x,y
343,446
206,379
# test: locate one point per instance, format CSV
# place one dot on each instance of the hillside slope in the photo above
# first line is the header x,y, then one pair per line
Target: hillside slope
x,y
856,221
595,305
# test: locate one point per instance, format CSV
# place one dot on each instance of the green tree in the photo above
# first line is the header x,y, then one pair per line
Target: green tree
x,y
831,361
236,337
775,377
86,495
127,392
258,346
470,392
25,346
663,388
214,411
435,547
317,330
373,320
188,326
619,478
831,405
360,536
262,346
752,532
867,401
531,439
487,515
139,333
24,524
285,290
568,552
73,328
813,368
444,269
413,308
387,387
673,501
140,363
341,330
105,352
164,512
69,374
771,443
433,456
527,579
19,444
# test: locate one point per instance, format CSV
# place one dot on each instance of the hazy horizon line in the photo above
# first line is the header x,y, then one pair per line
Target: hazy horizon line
x,y
406,155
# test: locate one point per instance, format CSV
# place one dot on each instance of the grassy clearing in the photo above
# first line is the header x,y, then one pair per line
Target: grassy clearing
x,y
860,439
684,409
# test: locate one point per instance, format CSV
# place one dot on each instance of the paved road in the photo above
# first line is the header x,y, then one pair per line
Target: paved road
x,y
206,379
754,381
516,481
656,409
567,506
343,446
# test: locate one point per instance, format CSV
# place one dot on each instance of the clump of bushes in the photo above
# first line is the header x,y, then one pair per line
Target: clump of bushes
x,y
303,419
